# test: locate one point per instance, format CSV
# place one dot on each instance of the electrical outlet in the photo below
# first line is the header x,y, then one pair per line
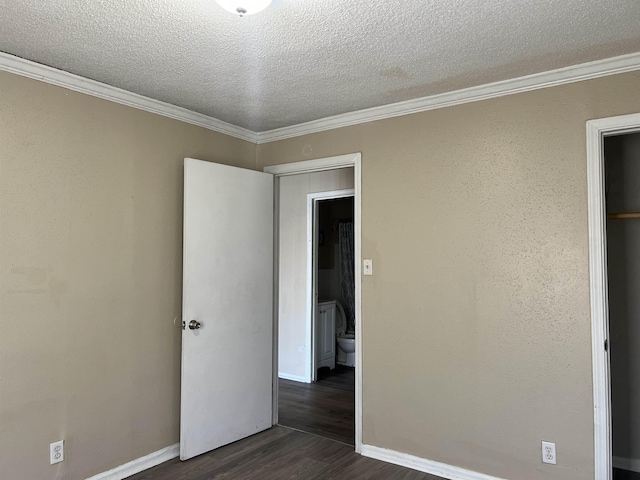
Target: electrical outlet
x,y
56,452
549,453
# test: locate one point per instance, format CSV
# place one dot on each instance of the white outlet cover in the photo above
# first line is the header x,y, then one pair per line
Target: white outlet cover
x,y
56,452
549,453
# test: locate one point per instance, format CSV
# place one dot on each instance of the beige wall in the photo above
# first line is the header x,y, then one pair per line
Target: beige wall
x,y
476,330
292,325
90,262
475,325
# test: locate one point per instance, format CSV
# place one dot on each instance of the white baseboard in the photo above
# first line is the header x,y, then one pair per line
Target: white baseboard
x,y
630,464
295,378
423,465
139,464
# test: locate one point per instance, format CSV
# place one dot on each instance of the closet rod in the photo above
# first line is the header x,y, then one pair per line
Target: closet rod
x,y
620,216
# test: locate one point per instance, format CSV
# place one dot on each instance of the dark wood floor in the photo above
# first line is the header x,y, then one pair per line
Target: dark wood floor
x,y
625,475
278,454
325,408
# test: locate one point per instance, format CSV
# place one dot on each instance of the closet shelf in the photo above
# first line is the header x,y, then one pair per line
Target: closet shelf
x,y
620,216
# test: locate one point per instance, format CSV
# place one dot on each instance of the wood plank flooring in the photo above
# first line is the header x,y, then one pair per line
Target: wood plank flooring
x,y
325,408
278,454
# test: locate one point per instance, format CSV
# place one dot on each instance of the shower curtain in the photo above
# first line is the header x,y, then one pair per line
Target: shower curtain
x,y
347,271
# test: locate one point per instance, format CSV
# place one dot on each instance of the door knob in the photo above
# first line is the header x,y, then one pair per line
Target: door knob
x,y
194,325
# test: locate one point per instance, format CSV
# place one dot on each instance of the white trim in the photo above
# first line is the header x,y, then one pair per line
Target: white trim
x,y
332,194
312,270
342,161
312,285
423,465
60,78
552,78
629,464
275,387
357,222
294,378
310,166
139,464
596,131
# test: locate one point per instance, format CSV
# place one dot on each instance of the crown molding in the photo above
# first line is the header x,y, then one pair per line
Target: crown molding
x,y
552,78
60,78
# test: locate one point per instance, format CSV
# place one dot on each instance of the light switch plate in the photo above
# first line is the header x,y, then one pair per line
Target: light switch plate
x,y
367,266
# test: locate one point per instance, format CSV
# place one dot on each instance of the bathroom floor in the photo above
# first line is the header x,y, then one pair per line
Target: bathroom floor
x,y
325,408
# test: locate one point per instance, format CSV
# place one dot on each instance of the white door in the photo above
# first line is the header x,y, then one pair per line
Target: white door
x,y
227,306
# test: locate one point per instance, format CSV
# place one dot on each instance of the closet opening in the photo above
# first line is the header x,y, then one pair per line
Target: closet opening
x,y
622,202
612,177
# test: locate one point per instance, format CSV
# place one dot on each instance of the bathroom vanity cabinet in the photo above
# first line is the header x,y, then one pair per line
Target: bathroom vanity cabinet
x,y
326,335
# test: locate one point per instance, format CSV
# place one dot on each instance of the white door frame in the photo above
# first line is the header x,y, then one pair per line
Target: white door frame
x,y
309,166
312,271
596,131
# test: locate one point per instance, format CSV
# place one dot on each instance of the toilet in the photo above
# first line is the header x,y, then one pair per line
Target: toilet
x,y
346,342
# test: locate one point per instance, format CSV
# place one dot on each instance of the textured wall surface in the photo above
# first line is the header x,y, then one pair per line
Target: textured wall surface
x,y
307,59
90,282
292,302
476,329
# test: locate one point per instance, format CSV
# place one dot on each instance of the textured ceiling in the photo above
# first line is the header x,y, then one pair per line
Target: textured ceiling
x,y
301,60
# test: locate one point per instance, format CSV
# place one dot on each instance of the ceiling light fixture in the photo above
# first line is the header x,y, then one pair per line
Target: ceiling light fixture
x,y
244,7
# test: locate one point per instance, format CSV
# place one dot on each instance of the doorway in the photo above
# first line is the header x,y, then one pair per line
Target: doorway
x,y
345,163
324,404
330,273
622,198
614,212
240,320
316,304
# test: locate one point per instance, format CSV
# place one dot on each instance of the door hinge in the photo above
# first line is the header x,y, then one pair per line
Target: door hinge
x,y
606,345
